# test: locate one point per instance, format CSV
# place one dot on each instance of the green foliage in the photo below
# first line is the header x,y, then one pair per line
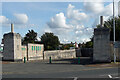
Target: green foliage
x,y
30,37
89,44
50,41
67,46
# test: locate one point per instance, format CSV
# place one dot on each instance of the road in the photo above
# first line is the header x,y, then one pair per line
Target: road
x,y
58,69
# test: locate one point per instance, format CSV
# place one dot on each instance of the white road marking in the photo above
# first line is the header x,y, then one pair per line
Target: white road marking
x,y
109,76
75,78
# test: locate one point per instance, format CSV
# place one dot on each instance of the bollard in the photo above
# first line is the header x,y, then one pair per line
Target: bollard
x,y
78,60
24,59
50,60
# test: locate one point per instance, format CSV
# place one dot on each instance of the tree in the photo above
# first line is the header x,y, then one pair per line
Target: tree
x,y
67,46
50,41
30,37
88,44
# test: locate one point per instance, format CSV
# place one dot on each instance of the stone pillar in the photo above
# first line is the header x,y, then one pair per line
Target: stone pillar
x,y
101,21
12,28
101,48
12,46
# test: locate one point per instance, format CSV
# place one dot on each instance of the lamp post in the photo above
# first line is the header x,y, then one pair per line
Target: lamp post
x,y
114,30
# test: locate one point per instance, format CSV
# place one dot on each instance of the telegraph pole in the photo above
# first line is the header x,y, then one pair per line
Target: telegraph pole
x,y
114,29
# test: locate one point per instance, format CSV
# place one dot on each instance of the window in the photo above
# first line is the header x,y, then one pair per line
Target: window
x,y
38,48
32,48
23,49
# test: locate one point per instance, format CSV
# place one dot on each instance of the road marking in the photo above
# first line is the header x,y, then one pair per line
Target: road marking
x,y
75,78
109,76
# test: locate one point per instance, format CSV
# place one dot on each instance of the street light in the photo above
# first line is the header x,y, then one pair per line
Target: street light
x,y
114,30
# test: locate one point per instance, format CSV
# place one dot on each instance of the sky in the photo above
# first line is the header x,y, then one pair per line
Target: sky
x,y
70,21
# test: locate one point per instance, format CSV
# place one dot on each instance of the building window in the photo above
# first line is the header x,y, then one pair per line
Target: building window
x,y
32,48
23,49
38,48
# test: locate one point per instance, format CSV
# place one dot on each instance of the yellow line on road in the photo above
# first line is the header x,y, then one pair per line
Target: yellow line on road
x,y
96,68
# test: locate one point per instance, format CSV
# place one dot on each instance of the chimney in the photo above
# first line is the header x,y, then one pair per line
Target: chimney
x,y
101,21
12,28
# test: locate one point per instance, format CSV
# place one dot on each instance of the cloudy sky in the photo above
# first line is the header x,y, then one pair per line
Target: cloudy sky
x,y
70,21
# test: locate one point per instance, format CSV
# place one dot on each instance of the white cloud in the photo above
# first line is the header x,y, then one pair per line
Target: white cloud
x,y
70,32
58,25
94,7
58,21
21,18
98,9
79,32
4,20
85,39
88,32
76,14
106,11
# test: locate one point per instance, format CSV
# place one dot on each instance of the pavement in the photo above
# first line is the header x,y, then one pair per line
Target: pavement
x,y
64,69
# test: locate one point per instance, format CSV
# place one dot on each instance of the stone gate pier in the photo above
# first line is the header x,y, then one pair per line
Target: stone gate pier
x,y
101,49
